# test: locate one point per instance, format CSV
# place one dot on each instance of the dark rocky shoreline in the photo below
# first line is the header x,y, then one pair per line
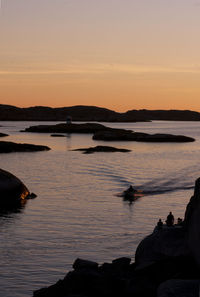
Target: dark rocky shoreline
x,y
167,264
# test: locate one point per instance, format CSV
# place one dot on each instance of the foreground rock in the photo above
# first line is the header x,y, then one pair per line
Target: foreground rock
x,y
192,221
119,278
167,265
12,189
10,147
101,148
137,136
171,242
3,135
179,288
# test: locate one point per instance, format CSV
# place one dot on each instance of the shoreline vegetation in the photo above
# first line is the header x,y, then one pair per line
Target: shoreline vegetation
x,y
167,263
92,113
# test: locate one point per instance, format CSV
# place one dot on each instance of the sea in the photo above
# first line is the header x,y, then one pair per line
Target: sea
x,y
79,212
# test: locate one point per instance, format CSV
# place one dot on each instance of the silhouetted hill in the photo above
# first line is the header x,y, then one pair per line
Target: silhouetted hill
x,y
42,113
92,113
166,115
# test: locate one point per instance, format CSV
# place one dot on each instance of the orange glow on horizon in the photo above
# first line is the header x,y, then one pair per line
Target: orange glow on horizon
x,y
142,55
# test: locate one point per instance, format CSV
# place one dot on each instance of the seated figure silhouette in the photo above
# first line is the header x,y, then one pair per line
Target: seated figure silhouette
x,y
170,219
160,224
179,221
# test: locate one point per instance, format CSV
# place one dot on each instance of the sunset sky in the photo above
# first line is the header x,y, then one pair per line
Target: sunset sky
x,y
119,54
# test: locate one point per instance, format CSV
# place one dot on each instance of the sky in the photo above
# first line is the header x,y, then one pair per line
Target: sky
x,y
118,54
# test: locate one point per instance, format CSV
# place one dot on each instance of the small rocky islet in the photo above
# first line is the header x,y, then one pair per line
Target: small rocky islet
x,y
101,132
102,148
167,264
3,134
12,190
57,135
11,147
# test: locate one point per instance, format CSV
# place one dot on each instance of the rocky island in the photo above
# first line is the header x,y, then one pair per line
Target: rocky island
x,y
89,128
101,132
102,148
3,135
167,264
115,135
12,147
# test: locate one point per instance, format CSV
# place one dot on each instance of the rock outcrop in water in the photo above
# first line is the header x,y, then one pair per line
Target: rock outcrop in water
x,y
102,132
102,148
3,135
89,128
11,147
12,189
138,136
167,265
57,135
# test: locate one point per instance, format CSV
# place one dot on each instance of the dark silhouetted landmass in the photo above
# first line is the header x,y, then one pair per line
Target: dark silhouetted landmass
x,y
162,115
11,147
68,128
58,135
102,132
115,135
102,148
42,113
92,113
3,135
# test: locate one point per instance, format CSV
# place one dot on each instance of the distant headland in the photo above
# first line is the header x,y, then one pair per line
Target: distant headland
x,y
92,113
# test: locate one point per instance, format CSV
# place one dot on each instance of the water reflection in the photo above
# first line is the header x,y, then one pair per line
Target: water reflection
x,y
68,141
7,210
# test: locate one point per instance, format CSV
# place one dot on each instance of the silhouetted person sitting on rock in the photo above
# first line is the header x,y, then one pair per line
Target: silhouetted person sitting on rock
x,y
159,224
179,221
170,219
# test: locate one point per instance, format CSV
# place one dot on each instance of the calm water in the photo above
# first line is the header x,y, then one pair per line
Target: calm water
x,y
77,212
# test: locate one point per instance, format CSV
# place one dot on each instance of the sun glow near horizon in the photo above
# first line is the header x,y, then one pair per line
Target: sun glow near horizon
x,y
115,54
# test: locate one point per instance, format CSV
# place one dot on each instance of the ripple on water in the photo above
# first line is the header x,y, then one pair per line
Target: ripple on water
x,y
77,212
